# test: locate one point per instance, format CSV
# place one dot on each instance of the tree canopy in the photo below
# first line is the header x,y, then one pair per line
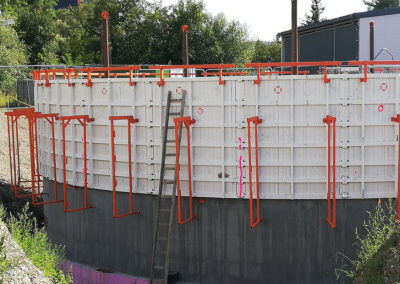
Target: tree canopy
x,y
315,13
381,4
267,52
141,32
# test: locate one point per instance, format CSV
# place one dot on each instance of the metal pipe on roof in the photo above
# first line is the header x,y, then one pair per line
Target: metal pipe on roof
x,y
371,40
185,48
104,41
294,36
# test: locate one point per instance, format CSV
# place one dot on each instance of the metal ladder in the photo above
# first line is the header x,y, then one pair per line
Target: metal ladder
x,y
165,215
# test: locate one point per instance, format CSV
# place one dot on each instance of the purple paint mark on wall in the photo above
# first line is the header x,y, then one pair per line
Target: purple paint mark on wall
x,y
241,169
85,275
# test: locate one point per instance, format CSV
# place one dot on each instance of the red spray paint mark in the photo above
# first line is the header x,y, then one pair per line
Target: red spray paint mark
x,y
384,86
278,90
179,90
380,108
74,109
200,110
104,91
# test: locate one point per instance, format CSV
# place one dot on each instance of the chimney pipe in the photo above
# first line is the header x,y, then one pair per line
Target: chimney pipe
x,y
371,40
185,48
104,41
294,36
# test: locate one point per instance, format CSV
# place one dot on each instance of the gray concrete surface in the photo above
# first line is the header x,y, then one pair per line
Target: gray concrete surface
x,y
292,245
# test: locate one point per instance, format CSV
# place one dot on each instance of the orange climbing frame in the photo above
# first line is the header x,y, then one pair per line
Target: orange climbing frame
x,y
256,120
331,193
83,120
130,120
17,183
33,143
397,119
187,121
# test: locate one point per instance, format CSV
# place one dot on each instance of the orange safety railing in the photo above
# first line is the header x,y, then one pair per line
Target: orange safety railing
x,y
17,183
365,65
205,66
83,120
397,119
187,121
323,64
33,143
331,188
130,120
256,121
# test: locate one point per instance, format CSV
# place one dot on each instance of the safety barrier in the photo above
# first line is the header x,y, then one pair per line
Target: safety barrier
x,y
130,120
187,121
256,121
83,120
331,193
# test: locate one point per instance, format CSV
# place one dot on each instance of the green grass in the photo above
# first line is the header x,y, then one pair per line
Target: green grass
x,y
382,234
43,254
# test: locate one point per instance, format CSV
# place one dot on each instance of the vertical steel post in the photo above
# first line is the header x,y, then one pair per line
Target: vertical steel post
x,y
185,48
371,40
104,41
294,48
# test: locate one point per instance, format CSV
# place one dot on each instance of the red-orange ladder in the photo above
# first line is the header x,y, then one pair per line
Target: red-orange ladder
x,y
83,120
187,121
130,120
256,121
331,188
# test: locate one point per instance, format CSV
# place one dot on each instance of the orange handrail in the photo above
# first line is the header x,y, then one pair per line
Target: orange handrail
x,y
256,120
331,193
130,120
187,121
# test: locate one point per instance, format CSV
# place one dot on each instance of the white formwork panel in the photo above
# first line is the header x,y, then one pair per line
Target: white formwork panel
x,y
292,138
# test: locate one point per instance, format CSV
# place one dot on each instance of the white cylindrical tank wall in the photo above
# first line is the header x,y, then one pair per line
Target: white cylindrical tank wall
x,y
292,137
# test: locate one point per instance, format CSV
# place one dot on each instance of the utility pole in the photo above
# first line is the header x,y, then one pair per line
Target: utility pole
x,y
294,36
185,48
104,41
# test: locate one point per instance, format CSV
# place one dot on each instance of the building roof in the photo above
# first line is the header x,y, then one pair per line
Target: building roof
x,y
343,19
65,3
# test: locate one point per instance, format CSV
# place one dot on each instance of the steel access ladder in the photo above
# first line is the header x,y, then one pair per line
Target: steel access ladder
x,y
164,221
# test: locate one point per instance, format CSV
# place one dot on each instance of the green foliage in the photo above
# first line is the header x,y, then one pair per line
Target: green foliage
x,y
381,4
316,11
267,52
382,230
12,52
43,254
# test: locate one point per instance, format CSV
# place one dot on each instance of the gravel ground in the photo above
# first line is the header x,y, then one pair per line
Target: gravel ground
x,y
23,147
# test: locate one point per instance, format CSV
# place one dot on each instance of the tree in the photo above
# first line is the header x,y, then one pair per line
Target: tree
x,y
12,52
316,11
267,52
381,4
35,23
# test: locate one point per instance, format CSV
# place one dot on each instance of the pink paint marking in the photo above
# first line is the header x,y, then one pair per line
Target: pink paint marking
x,y
380,108
74,109
240,143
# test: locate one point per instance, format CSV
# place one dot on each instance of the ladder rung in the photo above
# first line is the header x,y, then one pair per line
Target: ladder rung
x,y
170,154
158,267
169,181
171,141
176,100
158,252
174,113
171,127
169,168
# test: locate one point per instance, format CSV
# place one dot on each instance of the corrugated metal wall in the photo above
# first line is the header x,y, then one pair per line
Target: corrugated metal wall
x,y
292,137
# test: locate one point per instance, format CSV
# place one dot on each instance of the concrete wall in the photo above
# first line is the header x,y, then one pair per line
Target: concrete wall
x,y
293,244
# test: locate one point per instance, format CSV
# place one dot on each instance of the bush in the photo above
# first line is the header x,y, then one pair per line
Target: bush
x,y
376,248
43,254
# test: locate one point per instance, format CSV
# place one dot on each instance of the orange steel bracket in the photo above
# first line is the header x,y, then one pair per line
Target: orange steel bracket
x,y
397,119
256,120
83,120
331,193
33,142
187,121
130,120
13,149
